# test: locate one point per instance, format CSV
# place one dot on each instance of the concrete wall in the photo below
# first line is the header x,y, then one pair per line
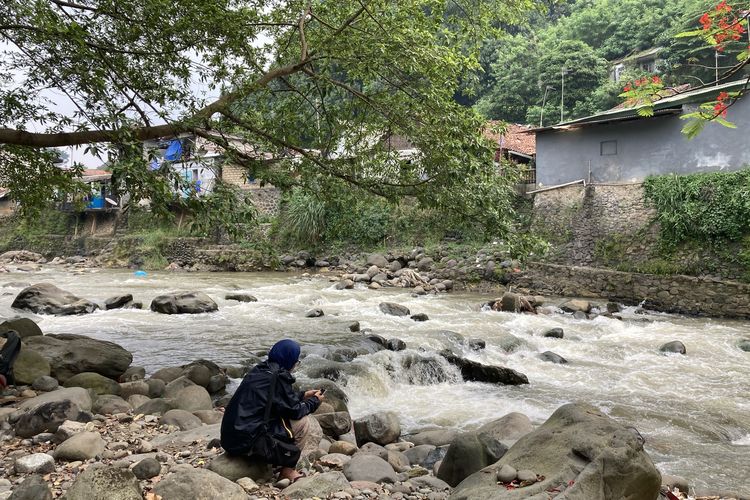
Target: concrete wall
x,y
677,294
648,146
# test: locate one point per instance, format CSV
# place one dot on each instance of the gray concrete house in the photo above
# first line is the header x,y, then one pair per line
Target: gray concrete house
x,y
619,146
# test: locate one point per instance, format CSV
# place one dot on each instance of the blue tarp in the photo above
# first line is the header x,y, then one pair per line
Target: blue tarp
x,y
174,150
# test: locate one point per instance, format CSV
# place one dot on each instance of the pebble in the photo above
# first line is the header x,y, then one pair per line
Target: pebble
x,y
283,483
526,475
247,484
506,474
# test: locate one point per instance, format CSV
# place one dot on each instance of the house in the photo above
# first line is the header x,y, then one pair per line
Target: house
x,y
100,194
621,146
645,60
188,157
7,204
515,144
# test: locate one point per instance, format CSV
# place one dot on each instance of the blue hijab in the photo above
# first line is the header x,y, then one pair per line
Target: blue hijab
x,y
285,353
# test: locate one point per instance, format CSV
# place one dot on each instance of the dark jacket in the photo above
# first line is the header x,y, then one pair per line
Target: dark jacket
x,y
243,417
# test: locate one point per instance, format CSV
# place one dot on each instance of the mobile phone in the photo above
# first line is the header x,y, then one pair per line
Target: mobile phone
x,y
322,391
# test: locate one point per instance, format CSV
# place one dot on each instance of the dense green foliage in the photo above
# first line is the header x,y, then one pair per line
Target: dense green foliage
x,y
585,37
307,90
707,207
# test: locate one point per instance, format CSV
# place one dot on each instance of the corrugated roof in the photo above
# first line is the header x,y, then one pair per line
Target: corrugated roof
x,y
666,105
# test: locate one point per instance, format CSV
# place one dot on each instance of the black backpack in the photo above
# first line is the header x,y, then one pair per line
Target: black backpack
x,y
8,355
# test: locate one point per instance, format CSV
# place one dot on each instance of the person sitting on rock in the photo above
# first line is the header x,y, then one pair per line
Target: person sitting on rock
x,y
11,346
266,419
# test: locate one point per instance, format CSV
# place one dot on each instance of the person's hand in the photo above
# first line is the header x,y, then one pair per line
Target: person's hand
x,y
319,395
311,393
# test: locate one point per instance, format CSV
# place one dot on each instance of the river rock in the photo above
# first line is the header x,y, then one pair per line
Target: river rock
x,y
97,383
315,313
473,371
554,333
373,449
193,398
476,344
376,259
393,309
240,297
335,460
435,437
418,454
395,345
133,374
105,483
46,298
156,406
366,467
118,301
178,384
317,486
579,451
553,358
334,424
156,387
182,419
45,384
127,389
398,461
343,447
24,327
508,427
168,374
576,305
29,366
198,374
234,468
381,428
68,429
675,346
209,416
183,303
48,416
510,343
147,468
744,345
81,446
344,284
70,354
468,453
109,404
77,395
33,487
419,317
36,463
506,474
137,400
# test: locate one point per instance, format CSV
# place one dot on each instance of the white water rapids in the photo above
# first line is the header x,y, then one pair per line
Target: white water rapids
x,y
693,410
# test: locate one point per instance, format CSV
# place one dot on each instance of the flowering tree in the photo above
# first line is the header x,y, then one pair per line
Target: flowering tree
x,y
720,26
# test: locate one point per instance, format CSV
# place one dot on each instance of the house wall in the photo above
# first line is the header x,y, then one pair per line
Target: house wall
x,y
652,146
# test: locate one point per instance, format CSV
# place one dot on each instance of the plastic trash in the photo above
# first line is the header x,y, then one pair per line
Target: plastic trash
x,y
141,274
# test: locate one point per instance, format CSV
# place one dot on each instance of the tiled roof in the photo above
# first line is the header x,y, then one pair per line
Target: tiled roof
x,y
515,138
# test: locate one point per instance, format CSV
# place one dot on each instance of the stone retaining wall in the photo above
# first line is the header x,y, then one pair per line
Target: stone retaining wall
x,y
267,200
579,220
675,294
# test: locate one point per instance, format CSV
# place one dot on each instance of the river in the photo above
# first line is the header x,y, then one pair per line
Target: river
x,y
693,410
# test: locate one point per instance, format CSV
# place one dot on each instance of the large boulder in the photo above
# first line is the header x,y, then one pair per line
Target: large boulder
x,y
317,486
198,484
376,259
234,468
477,372
24,327
193,398
29,366
576,305
182,419
77,395
674,346
582,453
156,406
46,298
32,488
118,301
97,383
381,428
509,427
435,437
81,446
109,404
70,354
468,453
367,467
47,417
335,424
394,309
183,303
105,483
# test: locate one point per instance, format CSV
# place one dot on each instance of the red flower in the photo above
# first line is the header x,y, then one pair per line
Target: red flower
x,y
723,96
656,80
723,7
720,109
706,21
627,88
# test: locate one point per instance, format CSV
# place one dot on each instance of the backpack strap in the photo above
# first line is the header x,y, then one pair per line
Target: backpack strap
x,y
269,401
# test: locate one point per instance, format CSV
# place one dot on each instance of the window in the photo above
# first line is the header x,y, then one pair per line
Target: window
x,y
608,148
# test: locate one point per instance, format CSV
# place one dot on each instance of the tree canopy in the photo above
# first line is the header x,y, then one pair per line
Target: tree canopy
x,y
322,80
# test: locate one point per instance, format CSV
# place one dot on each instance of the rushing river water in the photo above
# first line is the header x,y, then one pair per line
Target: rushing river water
x,y
693,410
